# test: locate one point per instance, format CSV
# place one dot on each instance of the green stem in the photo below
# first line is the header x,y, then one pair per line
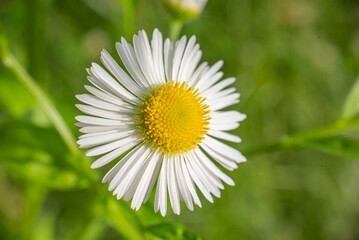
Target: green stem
x,y
123,219
335,128
289,142
4,48
43,100
266,148
128,18
32,201
175,29
36,44
45,104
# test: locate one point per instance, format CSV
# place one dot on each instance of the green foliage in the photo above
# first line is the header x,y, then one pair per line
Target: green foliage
x,y
295,62
338,145
37,160
122,218
3,43
171,231
351,104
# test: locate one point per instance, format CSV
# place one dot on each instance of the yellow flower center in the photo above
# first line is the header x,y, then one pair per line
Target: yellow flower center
x,y
175,118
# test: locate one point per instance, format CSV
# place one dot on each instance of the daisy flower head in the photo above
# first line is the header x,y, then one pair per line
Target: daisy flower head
x,y
161,120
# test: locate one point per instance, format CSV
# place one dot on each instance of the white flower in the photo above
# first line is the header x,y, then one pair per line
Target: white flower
x,y
161,119
186,8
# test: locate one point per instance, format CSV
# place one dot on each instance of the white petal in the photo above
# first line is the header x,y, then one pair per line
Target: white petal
x,y
94,101
132,186
182,185
212,167
139,154
111,146
157,53
223,126
161,190
192,65
104,138
144,56
189,182
225,162
227,116
186,63
210,81
218,86
120,74
98,129
208,180
128,57
224,102
224,149
172,186
221,94
102,161
168,52
132,176
109,82
108,97
97,134
103,113
202,68
79,124
197,180
153,180
224,136
210,176
114,170
99,121
209,73
177,57
142,187
97,82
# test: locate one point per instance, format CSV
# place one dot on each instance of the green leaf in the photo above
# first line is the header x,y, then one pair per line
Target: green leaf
x,y
36,169
12,63
77,213
44,228
38,155
120,216
20,133
132,224
171,231
96,229
17,102
351,104
4,48
337,145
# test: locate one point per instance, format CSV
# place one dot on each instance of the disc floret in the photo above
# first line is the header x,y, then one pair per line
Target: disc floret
x,y
175,118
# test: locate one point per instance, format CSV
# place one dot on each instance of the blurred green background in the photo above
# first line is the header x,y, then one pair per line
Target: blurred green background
x,y
295,62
